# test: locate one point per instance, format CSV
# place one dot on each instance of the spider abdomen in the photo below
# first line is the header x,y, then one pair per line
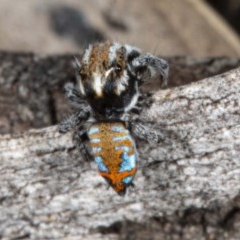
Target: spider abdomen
x,y
113,149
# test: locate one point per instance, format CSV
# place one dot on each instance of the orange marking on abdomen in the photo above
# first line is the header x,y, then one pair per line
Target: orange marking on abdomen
x,y
116,178
111,156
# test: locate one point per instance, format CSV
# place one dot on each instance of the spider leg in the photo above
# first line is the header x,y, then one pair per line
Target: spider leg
x,y
141,130
144,101
74,120
81,115
151,66
146,133
80,138
73,94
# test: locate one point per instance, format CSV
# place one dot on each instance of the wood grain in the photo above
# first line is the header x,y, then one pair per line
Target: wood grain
x,y
187,187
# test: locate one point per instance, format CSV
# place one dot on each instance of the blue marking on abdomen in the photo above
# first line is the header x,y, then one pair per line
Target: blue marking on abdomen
x,y
98,160
101,166
122,138
128,162
95,140
93,130
127,180
96,149
124,148
119,129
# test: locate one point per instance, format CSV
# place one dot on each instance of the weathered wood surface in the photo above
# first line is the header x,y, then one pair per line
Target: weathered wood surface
x,y
31,85
187,187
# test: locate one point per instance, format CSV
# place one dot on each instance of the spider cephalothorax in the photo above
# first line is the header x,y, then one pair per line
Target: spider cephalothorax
x,y
109,75
107,91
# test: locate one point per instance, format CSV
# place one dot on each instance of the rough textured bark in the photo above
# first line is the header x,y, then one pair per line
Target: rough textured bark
x,y
31,85
187,187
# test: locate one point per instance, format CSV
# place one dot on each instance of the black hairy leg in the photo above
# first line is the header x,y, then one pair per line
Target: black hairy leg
x,y
80,139
73,94
155,67
74,120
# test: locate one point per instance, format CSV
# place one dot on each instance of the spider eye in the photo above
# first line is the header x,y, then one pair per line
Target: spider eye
x,y
118,68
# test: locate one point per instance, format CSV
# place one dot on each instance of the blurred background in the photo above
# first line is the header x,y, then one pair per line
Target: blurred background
x,y
199,38
168,28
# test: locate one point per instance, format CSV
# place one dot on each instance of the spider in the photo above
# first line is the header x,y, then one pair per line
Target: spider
x,y
107,97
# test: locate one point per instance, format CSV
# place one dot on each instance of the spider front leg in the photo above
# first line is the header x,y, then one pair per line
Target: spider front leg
x,y
80,139
150,66
81,115
140,129
74,120
144,102
73,94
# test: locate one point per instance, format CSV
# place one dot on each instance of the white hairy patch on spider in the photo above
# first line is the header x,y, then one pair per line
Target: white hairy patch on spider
x,y
86,55
106,74
81,86
112,51
133,101
97,83
122,83
131,48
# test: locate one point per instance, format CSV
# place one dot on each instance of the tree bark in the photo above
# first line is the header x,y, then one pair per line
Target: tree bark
x,y
186,187
31,85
